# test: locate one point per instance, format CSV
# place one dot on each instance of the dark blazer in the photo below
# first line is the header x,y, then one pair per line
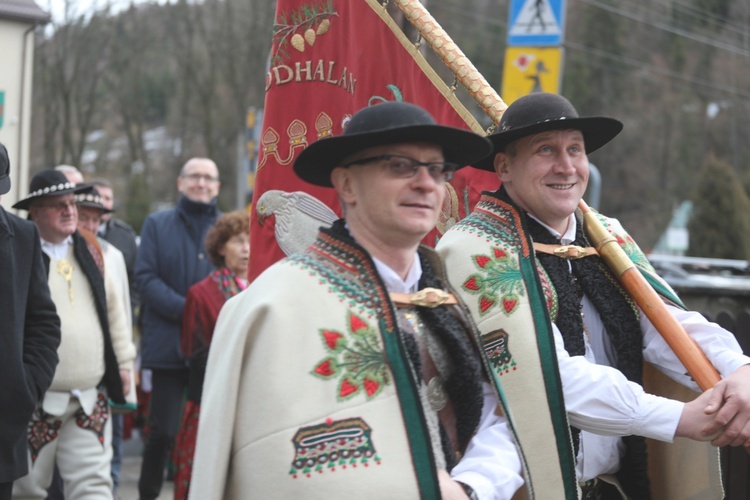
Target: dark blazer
x,y
29,337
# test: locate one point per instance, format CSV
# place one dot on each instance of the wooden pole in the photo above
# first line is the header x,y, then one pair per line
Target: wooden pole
x,y
687,351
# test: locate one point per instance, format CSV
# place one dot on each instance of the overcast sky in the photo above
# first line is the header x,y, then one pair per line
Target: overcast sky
x,y
77,7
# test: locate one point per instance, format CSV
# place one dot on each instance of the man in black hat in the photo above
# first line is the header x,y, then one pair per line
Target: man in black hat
x,y
331,376
524,266
29,335
71,426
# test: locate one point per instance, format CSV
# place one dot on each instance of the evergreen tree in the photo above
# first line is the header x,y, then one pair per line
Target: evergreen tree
x,y
720,224
139,201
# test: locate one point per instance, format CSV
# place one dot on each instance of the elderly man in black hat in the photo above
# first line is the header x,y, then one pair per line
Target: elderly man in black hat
x,y
349,370
29,335
566,325
71,424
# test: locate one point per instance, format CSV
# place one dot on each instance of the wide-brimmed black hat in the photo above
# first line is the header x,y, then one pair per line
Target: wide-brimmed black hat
x,y
49,183
90,197
387,123
542,111
4,170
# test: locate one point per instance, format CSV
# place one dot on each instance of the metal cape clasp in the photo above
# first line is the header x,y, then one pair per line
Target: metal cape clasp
x,y
429,297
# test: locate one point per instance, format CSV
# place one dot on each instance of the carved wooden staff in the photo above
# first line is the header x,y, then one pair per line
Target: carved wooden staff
x,y
687,351
695,361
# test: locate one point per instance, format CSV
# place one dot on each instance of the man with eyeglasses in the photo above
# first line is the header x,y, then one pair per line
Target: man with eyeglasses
x,y
71,425
349,370
170,259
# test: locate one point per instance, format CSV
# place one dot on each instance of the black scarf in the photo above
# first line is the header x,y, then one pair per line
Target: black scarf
x,y
590,276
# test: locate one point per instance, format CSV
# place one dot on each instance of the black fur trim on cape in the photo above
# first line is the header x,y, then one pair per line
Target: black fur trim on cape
x,y
591,277
464,386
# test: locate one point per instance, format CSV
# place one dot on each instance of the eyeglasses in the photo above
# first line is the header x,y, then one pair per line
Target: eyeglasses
x,y
200,177
59,206
403,166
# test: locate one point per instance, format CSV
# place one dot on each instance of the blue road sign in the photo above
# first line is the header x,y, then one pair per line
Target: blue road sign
x,y
536,22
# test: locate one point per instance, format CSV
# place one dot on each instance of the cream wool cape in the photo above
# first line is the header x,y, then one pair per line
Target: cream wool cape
x,y
308,392
490,262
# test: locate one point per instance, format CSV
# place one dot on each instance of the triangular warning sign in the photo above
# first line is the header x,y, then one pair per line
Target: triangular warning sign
x,y
536,18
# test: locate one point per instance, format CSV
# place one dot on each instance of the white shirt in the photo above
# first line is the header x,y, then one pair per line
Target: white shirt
x,y
490,465
605,405
56,251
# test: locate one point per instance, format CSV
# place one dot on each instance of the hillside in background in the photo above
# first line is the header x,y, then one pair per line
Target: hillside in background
x,y
130,95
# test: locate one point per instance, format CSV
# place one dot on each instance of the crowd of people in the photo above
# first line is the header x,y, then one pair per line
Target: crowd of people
x,y
506,361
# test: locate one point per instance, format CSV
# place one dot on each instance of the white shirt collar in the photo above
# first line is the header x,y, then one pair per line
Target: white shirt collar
x,y
393,281
56,251
570,233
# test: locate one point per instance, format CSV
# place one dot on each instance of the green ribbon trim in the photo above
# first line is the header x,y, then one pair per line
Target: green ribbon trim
x,y
411,408
551,376
661,289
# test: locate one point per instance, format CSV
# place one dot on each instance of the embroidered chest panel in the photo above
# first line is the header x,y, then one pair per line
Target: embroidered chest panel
x,y
496,281
355,356
347,273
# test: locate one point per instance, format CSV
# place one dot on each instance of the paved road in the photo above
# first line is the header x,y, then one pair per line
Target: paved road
x,y
131,469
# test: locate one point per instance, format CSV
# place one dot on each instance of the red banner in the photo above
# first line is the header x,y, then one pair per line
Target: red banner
x,y
330,58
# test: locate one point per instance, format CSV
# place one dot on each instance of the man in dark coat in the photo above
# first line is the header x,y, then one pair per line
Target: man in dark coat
x,y
171,258
29,335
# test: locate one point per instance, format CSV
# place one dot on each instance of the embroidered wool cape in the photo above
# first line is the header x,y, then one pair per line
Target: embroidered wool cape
x,y
309,393
491,263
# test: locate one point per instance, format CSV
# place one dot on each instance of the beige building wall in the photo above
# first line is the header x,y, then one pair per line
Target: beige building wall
x,y
16,61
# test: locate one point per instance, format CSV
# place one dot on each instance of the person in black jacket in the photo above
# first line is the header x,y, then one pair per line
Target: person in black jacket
x,y
29,335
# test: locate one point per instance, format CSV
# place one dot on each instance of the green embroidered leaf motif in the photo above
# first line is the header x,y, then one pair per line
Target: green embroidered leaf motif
x,y
356,359
498,281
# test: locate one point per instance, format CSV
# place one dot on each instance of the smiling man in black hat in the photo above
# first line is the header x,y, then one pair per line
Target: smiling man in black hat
x,y
71,425
527,272
330,376
29,335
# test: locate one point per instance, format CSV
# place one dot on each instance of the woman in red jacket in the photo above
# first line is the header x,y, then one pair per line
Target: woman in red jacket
x,y
228,246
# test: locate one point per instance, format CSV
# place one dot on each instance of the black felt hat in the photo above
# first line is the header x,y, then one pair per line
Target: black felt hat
x,y
48,183
387,123
4,170
542,111
90,197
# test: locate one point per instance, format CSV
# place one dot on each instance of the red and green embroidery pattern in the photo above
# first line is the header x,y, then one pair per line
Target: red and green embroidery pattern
x,y
628,244
334,443
495,345
498,282
550,294
355,358
98,418
349,274
42,430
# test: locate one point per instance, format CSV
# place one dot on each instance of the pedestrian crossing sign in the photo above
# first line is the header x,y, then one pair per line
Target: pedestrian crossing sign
x,y
536,22
530,69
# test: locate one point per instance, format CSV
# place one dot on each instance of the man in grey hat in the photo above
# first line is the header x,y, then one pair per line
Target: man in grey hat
x,y
525,268
71,425
349,370
29,335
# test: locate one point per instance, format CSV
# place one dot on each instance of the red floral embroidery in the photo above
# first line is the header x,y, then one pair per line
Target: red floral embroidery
x,y
355,357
